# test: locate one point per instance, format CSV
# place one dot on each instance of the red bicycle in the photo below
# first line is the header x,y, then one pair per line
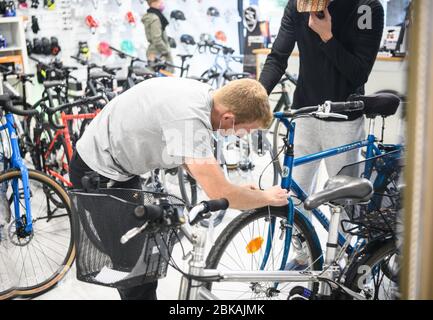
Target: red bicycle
x,y
54,143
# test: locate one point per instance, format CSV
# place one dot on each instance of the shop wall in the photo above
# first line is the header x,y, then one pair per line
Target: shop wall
x,y
67,23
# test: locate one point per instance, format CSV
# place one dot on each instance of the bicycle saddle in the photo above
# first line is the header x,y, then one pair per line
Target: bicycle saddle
x,y
53,84
99,75
341,190
143,72
380,104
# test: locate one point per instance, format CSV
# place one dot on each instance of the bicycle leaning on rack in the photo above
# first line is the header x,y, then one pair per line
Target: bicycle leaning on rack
x,y
137,247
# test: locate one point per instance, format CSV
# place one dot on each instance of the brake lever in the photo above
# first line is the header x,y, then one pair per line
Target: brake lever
x,y
133,233
325,115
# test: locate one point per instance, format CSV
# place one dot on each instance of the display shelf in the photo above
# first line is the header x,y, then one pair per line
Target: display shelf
x,y
12,28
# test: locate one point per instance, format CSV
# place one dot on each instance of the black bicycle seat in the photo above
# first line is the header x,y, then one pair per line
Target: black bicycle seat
x,y
112,70
99,75
143,72
341,190
380,104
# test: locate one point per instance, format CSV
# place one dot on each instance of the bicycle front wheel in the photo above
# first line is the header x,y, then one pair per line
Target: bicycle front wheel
x,y
32,264
257,241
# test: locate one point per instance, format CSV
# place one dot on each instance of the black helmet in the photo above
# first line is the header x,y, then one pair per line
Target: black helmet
x,y
213,12
177,15
187,39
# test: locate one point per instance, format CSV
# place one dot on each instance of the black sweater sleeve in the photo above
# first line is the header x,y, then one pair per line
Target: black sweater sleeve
x,y
356,66
276,63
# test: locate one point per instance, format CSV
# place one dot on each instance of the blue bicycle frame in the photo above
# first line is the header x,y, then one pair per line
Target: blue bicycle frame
x,y
16,162
290,184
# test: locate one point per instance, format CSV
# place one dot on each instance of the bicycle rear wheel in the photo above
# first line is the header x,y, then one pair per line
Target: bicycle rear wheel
x,y
243,246
376,274
31,265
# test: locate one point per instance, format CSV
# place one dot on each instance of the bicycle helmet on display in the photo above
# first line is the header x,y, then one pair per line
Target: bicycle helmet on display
x,y
46,46
10,9
35,4
50,4
83,50
104,49
177,15
206,37
127,46
55,47
213,12
130,18
37,46
221,36
22,4
187,39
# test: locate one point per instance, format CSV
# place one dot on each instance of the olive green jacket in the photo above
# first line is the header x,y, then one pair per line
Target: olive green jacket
x,y
157,38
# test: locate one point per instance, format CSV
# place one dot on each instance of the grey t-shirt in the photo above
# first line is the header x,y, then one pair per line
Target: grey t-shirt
x,y
156,124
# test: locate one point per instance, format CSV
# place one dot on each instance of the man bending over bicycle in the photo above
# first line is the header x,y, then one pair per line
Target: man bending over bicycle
x,y
150,127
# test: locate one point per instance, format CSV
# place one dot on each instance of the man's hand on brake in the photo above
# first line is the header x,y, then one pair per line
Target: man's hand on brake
x,y
277,197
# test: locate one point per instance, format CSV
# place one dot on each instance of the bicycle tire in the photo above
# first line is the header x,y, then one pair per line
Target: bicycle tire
x,y
376,254
68,260
245,218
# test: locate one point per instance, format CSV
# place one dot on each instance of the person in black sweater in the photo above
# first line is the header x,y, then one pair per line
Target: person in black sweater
x,y
337,53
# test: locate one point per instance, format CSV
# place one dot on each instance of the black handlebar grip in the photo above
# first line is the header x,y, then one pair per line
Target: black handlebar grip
x,y
149,212
7,104
216,205
351,106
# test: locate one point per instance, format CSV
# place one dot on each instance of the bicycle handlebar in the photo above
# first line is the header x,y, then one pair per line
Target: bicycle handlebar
x,y
328,109
76,103
7,104
350,106
52,111
212,45
152,213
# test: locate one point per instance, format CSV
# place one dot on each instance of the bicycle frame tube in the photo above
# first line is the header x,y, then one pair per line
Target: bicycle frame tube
x,y
17,163
290,163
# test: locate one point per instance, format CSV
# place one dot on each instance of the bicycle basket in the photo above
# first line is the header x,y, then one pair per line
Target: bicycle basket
x,y
100,220
380,217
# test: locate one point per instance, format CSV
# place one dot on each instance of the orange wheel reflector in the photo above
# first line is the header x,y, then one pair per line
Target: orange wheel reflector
x,y
255,245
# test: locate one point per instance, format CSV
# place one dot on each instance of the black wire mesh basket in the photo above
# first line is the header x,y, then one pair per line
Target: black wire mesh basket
x,y
100,220
381,216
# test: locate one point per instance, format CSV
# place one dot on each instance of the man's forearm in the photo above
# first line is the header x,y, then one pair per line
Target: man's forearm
x,y
241,198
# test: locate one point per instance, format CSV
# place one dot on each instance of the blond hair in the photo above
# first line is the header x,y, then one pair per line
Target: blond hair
x,y
247,99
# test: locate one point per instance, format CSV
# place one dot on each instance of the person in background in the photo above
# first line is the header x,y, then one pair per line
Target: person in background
x,y
338,46
155,24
